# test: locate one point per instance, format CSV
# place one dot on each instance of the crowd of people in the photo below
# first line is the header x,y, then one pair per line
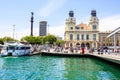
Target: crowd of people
x,y
79,50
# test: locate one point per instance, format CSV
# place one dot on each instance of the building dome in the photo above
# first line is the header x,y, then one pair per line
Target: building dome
x,y
71,14
93,13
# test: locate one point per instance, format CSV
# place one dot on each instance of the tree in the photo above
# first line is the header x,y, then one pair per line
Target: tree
x,y
1,41
49,39
32,39
29,39
60,42
8,39
39,40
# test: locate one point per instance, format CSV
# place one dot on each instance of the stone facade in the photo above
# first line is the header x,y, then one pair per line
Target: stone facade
x,y
82,35
87,35
103,41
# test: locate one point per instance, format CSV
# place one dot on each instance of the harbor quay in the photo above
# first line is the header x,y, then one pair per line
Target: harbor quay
x,y
109,56
55,66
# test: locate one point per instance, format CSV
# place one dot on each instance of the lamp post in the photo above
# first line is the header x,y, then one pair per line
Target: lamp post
x,y
13,30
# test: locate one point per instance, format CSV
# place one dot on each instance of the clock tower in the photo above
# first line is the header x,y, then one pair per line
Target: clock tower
x,y
69,29
94,28
94,21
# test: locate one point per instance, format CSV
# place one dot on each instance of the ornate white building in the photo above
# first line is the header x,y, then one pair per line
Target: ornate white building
x,y
82,35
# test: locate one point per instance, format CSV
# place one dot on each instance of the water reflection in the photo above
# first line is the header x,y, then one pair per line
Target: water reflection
x,y
89,69
56,68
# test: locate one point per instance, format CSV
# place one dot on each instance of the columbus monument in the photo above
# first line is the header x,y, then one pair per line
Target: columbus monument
x,y
32,23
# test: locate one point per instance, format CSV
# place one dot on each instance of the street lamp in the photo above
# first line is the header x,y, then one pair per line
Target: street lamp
x,y
13,30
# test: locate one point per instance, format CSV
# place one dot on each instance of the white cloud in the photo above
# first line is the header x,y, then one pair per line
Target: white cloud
x,y
51,6
58,30
105,24
109,23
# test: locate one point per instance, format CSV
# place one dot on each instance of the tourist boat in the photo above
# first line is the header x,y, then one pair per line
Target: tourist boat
x,y
1,47
16,49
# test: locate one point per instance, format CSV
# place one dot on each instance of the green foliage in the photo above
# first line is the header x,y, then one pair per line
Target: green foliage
x,y
49,39
40,39
60,42
8,39
1,41
32,39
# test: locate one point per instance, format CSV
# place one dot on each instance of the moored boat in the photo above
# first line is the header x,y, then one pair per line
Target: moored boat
x,y
16,49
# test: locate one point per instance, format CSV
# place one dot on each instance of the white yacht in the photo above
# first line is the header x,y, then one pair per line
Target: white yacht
x,y
16,49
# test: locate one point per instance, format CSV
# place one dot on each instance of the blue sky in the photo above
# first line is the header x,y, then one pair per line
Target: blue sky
x,y
55,12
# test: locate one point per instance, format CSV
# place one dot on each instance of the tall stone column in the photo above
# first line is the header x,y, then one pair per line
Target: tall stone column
x,y
32,23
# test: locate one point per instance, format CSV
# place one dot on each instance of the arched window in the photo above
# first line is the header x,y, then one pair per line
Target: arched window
x,y
87,37
71,45
82,45
78,37
94,36
94,27
71,36
82,36
77,28
94,45
78,45
71,28
88,45
82,28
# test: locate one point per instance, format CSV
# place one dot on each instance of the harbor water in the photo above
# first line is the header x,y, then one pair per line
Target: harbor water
x,y
56,68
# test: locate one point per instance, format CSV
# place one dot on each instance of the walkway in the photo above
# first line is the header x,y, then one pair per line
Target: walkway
x,y
113,57
108,55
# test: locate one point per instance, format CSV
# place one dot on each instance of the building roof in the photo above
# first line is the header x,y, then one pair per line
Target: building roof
x,y
83,26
